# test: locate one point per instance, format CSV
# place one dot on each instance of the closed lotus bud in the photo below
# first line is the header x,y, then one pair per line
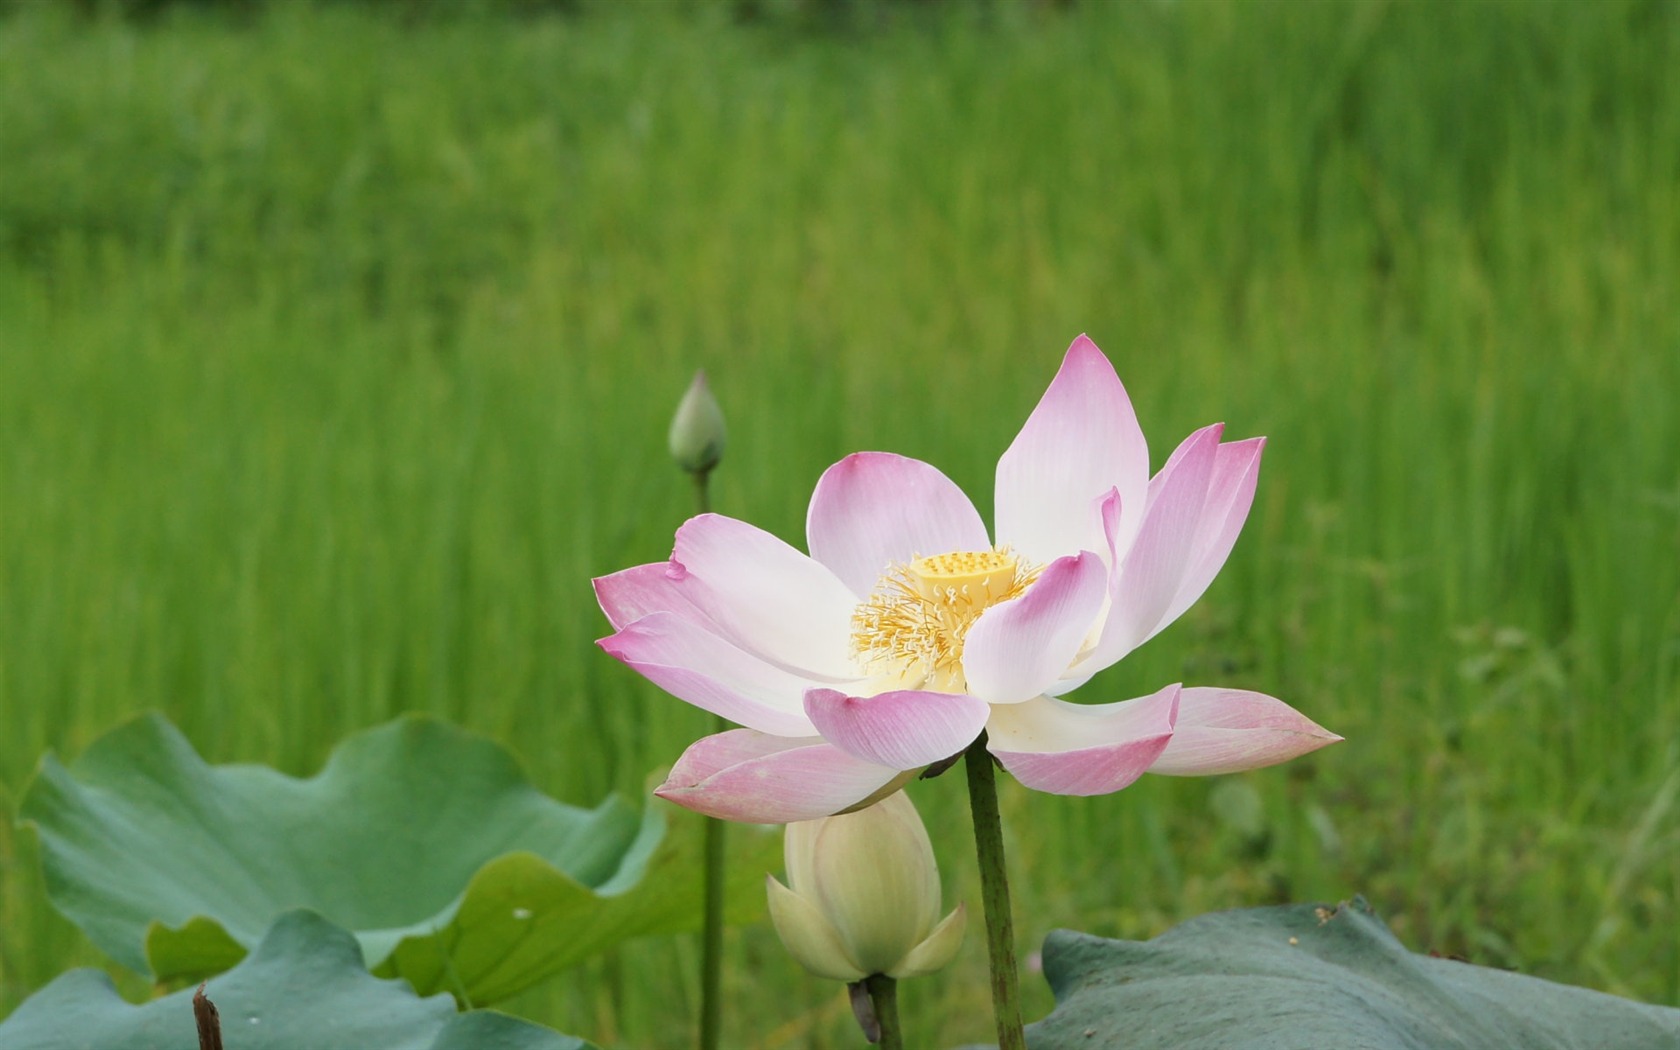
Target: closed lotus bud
x,y
863,896
697,432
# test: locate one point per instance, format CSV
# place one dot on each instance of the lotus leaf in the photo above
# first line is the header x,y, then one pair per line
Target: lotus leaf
x,y
303,986
1313,976
426,842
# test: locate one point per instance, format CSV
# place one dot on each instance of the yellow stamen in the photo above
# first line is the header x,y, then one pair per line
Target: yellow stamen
x,y
913,625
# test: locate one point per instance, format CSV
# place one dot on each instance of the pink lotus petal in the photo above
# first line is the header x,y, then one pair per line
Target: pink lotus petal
x,y
1088,664
1230,730
872,509
1154,568
766,596
1091,661
760,779
1108,519
689,662
906,729
1082,440
1236,471
1078,749
1016,649
631,594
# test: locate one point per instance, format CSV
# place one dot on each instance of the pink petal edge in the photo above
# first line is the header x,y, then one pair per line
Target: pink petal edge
x,y
1016,649
1236,473
1153,569
1081,440
872,509
757,778
1231,730
766,596
630,594
1077,749
686,660
1107,511
906,729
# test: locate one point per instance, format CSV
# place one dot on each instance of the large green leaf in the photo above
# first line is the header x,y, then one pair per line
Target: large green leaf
x,y
425,842
303,986
1313,976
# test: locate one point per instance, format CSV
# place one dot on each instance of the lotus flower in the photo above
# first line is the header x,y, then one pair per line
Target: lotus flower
x,y
909,630
863,895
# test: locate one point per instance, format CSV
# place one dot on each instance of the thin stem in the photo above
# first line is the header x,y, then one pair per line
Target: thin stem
x,y
711,937
883,993
994,891
711,940
702,491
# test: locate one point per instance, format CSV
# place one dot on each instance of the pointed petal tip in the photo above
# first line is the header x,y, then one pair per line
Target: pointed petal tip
x,y
937,949
613,645
1251,450
1305,727
1234,730
1203,435
1079,440
1252,446
1084,353
697,800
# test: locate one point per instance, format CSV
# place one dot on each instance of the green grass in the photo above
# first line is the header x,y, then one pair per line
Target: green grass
x,y
336,356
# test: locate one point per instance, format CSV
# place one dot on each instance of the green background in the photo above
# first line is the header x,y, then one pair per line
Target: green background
x,y
337,350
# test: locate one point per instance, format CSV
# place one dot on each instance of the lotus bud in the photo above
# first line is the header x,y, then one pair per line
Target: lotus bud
x,y
863,896
697,435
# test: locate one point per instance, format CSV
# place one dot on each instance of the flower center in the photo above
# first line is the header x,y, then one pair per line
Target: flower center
x,y
913,624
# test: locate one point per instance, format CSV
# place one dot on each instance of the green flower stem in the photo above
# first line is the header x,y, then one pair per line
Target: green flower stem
x,y
994,891
883,994
711,936
711,940
702,491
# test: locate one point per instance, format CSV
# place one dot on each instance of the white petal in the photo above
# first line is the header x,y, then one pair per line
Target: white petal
x,y
687,661
808,936
766,595
938,949
1019,647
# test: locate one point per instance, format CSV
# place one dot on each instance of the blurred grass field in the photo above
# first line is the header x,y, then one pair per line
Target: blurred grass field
x,y
336,353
